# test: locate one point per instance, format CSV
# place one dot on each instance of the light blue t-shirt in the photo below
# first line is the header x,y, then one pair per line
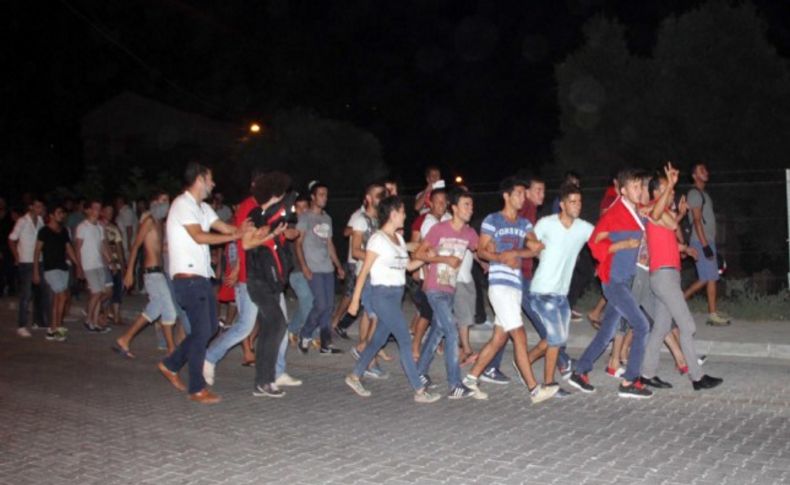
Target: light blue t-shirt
x,y
507,235
559,256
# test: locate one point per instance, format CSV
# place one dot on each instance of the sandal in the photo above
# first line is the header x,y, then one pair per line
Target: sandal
x,y
122,351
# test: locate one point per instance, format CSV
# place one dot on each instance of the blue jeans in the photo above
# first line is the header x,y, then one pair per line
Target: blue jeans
x,y
620,304
279,368
387,301
322,285
443,326
305,299
562,360
196,297
182,315
248,312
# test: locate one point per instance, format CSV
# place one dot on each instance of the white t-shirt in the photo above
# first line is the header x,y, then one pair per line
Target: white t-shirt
x,y
430,221
361,222
465,270
25,233
557,260
125,219
389,268
92,236
186,255
350,224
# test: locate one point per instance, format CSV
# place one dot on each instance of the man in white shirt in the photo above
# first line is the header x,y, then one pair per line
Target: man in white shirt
x,y
189,225
94,254
22,242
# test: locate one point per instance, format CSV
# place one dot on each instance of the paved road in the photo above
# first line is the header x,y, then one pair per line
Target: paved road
x,y
76,413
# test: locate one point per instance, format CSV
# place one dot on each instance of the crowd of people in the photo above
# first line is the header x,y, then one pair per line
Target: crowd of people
x,y
196,256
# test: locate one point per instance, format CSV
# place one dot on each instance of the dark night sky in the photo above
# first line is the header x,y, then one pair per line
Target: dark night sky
x,y
467,84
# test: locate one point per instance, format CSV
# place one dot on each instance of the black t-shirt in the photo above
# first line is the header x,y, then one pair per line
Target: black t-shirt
x,y
54,250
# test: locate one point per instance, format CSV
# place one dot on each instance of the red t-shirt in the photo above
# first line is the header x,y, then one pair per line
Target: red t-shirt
x,y
242,214
662,245
530,213
417,224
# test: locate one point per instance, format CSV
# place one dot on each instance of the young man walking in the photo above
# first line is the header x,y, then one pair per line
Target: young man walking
x,y
318,258
703,239
94,255
443,248
563,236
53,247
160,302
665,283
615,244
189,225
503,242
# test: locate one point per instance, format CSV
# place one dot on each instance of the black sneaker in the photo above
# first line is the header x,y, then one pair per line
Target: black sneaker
x,y
655,382
268,390
329,351
707,382
566,372
581,382
636,390
427,382
341,332
303,345
460,392
492,375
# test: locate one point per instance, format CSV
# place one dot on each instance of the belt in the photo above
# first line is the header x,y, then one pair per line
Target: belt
x,y
186,276
153,269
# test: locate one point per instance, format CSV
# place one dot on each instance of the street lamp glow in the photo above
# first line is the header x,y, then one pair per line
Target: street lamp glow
x,y
459,179
255,128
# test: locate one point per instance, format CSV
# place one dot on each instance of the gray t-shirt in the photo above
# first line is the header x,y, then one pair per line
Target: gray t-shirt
x,y
695,200
317,229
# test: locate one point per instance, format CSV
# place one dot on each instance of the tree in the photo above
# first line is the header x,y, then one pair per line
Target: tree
x,y
309,147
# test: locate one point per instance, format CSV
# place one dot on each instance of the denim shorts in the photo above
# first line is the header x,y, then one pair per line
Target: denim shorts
x,y
160,301
57,279
707,269
98,279
554,312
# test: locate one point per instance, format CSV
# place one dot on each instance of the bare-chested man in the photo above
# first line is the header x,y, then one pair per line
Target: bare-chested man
x,y
160,300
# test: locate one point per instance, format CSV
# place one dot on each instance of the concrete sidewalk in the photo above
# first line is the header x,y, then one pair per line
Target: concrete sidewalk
x,y
760,339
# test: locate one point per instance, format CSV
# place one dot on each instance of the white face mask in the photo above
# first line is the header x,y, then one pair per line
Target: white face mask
x,y
159,210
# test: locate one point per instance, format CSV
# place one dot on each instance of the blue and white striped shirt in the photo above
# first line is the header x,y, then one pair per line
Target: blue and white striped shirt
x,y
506,235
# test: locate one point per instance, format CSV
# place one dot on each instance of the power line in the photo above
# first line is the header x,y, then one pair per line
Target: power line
x,y
139,60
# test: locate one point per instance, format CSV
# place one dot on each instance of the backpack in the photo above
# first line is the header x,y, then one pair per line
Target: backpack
x,y
686,225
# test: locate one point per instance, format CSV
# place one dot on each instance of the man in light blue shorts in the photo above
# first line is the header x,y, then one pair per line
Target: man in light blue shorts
x,y
703,240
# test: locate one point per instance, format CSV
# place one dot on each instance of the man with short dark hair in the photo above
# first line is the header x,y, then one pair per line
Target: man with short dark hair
x,y
22,242
444,248
504,242
93,255
615,244
189,225
317,256
703,239
563,236
160,301
422,200
53,246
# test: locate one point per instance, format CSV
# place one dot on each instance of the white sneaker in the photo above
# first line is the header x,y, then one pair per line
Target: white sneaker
x,y
23,332
542,393
353,382
286,380
426,397
208,372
